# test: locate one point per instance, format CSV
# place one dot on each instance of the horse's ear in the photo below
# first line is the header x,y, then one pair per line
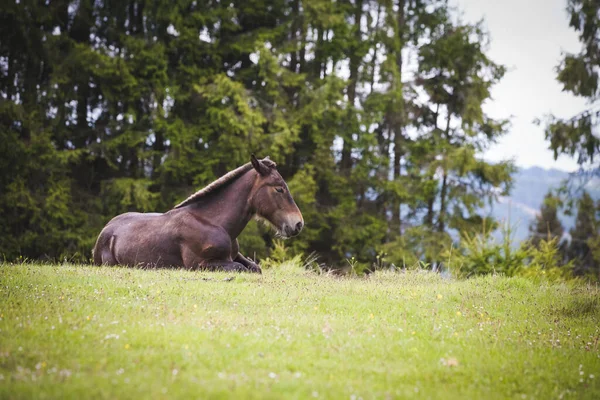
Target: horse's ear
x,y
258,166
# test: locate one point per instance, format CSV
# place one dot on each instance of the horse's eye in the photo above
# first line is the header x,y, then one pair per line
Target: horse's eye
x,y
279,190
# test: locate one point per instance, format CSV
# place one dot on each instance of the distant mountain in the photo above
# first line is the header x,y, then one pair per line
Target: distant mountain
x,y
527,195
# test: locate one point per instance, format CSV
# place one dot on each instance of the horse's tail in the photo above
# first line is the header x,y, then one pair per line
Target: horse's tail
x,y
103,251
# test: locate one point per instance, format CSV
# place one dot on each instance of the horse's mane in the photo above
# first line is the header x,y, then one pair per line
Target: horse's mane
x,y
223,181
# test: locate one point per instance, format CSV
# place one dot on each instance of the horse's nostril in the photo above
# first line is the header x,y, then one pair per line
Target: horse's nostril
x,y
299,226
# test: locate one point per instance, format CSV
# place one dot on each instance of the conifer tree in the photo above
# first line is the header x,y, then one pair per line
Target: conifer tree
x,y
584,236
579,74
546,225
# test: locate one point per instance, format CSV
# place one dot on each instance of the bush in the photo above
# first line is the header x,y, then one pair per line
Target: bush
x,y
480,254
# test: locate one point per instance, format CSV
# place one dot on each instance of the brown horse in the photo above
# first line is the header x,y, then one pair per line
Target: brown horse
x,y
201,232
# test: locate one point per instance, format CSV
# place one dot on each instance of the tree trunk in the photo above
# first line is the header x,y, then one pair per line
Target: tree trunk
x,y
80,33
444,190
398,119
346,163
294,35
302,58
375,53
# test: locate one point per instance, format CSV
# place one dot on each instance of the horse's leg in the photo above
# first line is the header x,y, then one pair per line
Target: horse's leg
x,y
246,262
230,266
251,265
191,260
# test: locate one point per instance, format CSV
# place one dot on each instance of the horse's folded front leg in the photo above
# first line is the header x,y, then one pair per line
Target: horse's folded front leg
x,y
230,266
251,265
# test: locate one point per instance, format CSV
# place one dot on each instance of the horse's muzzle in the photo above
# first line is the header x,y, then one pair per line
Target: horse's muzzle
x,y
294,231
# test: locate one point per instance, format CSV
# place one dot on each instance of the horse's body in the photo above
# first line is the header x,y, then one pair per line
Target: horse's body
x,y
202,231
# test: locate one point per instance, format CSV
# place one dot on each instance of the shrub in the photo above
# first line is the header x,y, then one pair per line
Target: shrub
x,y
481,254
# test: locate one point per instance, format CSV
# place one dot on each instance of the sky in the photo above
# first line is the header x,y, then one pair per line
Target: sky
x,y
528,37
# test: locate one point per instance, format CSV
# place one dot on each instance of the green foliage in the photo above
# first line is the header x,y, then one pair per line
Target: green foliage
x,y
546,225
481,254
545,261
252,241
416,245
128,195
36,199
583,248
578,73
131,106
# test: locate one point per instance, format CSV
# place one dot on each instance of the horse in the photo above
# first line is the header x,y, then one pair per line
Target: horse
x,y
201,232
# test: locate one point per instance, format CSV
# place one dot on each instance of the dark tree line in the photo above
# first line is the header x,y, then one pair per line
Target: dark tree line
x,y
372,110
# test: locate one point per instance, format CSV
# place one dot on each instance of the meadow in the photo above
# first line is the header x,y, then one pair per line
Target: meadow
x,y
74,331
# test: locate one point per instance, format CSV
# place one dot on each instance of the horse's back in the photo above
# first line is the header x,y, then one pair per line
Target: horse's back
x,y
137,238
132,217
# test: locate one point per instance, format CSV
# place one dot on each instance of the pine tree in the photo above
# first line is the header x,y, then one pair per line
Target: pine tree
x,y
584,233
579,74
547,225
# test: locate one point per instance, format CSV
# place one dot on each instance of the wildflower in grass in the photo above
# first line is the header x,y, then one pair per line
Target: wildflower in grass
x,y
439,296
127,346
111,336
450,362
458,313
64,373
371,316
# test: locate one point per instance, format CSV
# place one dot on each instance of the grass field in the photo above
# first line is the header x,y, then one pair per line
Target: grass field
x,y
86,332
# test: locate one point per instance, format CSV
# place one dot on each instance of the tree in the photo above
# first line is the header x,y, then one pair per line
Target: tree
x,y
39,214
578,73
457,76
547,226
584,236
372,110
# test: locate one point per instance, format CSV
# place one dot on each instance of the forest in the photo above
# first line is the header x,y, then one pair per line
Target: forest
x,y
372,109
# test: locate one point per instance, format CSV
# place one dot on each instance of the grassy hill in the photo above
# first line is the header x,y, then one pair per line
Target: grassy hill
x,y
74,331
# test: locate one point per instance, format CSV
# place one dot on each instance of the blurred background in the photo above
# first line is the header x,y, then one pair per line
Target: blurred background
x,y
404,128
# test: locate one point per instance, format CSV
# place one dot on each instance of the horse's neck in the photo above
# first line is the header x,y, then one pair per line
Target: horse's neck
x,y
228,207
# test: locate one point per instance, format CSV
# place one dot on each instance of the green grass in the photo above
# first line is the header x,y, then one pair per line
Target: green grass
x,y
86,332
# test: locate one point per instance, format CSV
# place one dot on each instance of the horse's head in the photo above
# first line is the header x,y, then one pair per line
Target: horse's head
x,y
272,200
